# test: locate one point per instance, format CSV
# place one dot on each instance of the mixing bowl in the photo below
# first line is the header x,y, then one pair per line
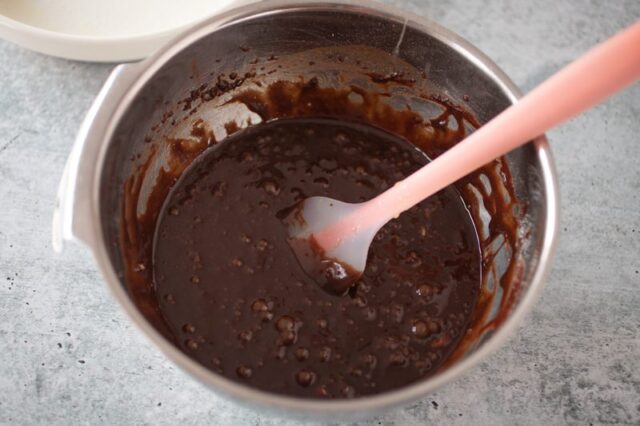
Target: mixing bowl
x,y
408,63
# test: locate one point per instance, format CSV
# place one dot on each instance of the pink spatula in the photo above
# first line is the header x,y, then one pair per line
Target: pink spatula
x,y
331,238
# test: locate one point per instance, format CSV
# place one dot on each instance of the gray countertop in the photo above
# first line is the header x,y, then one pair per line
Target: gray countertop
x,y
69,355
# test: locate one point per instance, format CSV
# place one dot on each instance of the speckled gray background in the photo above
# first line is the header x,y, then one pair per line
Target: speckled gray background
x,y
68,355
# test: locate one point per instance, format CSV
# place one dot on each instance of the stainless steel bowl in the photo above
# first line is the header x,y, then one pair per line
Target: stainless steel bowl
x,y
134,98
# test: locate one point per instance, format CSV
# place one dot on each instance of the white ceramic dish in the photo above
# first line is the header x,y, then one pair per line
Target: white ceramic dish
x,y
99,30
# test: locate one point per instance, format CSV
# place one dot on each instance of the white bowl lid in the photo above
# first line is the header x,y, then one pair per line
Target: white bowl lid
x,y
101,30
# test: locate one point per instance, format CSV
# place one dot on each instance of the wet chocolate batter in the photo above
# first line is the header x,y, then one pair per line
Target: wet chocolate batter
x,y
234,296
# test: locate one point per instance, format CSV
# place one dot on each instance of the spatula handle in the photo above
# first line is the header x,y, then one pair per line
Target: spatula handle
x,y
604,70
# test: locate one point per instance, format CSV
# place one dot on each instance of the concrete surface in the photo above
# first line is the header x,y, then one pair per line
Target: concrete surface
x,y
69,356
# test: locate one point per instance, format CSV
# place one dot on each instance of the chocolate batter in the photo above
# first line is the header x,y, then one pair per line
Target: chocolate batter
x,y
232,293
